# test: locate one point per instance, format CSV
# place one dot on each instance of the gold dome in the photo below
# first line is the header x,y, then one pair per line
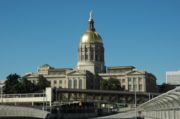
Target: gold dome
x,y
91,37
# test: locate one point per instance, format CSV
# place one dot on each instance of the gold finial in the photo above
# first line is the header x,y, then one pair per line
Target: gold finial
x,y
90,15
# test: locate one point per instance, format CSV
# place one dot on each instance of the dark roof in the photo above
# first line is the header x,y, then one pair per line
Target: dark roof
x,y
121,67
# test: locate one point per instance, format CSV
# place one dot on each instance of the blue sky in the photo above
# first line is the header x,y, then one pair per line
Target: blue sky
x,y
142,33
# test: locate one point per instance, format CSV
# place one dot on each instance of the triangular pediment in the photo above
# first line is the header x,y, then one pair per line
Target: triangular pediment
x,y
135,72
76,72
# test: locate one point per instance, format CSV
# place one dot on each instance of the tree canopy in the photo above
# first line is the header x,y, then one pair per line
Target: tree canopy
x,y
42,82
111,84
16,84
165,87
12,84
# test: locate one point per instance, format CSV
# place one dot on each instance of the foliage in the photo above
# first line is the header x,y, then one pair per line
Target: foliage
x,y
42,83
16,84
11,84
165,87
111,84
27,86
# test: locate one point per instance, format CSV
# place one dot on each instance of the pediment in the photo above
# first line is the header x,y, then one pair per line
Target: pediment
x,y
135,72
76,72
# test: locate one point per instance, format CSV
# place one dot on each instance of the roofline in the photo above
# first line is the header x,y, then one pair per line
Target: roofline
x,y
121,67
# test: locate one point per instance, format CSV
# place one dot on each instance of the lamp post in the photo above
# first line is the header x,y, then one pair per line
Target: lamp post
x,y
135,101
1,87
135,105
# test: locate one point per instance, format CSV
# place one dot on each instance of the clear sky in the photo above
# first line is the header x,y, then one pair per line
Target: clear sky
x,y
142,33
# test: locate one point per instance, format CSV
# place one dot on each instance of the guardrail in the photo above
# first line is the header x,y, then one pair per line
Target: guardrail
x,y
27,98
165,106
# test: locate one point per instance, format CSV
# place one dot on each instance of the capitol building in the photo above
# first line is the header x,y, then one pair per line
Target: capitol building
x,y
91,69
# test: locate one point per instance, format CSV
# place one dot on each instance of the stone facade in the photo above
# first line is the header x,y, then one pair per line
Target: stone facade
x,y
91,69
131,79
65,78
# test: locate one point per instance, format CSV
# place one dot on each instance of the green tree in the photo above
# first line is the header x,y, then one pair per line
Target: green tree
x,y
27,86
12,84
42,83
111,84
166,87
104,84
15,84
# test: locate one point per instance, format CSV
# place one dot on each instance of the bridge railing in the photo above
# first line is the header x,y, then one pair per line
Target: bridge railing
x,y
27,98
22,95
165,106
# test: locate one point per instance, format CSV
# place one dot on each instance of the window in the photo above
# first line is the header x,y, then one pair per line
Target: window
x,y
129,79
70,84
86,57
135,87
140,87
34,81
65,83
91,56
96,57
140,80
134,80
123,86
55,81
123,80
86,49
82,58
75,83
80,84
129,87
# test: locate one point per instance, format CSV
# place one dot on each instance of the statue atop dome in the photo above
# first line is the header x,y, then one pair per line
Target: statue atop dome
x,y
90,15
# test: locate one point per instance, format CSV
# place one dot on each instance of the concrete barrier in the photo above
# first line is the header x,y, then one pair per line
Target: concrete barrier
x,y
21,112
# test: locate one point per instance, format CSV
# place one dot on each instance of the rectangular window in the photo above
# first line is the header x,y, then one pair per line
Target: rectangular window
x,y
34,81
129,79
135,87
134,80
91,56
140,87
123,80
86,57
140,80
129,87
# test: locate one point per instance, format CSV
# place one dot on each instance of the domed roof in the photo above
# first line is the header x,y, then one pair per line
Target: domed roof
x,y
91,37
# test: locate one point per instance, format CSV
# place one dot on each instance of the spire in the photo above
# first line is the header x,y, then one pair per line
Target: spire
x,y
91,22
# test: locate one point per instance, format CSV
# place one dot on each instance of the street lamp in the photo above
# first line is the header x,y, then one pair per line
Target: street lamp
x,y
135,101
1,87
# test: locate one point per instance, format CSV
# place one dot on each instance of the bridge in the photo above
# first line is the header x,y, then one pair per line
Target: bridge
x,y
15,112
50,96
45,97
68,95
102,95
165,106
